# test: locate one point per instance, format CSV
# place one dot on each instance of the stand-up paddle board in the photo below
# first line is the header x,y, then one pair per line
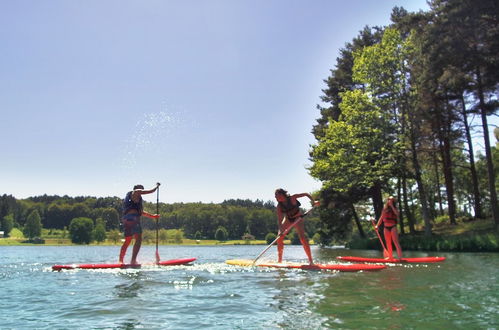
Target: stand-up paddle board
x,y
173,262
393,261
336,267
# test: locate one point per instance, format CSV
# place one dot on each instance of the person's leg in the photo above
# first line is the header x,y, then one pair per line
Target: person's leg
x,y
280,242
280,249
136,247
388,240
300,228
395,237
124,247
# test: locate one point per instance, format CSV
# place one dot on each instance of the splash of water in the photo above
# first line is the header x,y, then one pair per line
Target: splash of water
x,y
151,135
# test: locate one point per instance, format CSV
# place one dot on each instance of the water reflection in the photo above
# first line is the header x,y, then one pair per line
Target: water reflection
x,y
295,292
130,289
129,325
392,282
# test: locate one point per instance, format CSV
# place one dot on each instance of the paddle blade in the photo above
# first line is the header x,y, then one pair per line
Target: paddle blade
x,y
157,257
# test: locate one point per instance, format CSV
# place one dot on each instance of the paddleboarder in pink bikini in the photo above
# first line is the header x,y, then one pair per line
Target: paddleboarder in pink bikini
x,y
389,216
288,212
132,210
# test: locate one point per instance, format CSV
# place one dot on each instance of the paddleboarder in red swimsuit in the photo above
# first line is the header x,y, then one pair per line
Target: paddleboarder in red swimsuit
x,y
389,216
288,212
132,210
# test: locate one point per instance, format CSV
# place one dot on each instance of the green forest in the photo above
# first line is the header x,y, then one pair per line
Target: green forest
x,y
229,220
404,112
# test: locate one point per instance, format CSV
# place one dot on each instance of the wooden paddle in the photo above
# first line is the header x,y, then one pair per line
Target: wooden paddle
x,y
284,233
385,252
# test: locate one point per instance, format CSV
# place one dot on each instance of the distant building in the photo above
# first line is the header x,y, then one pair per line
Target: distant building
x,y
1,234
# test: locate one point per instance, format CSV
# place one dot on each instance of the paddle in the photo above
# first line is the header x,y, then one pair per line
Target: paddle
x,y
385,252
157,224
284,233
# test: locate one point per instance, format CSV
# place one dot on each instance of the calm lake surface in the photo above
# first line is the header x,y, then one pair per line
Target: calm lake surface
x,y
460,293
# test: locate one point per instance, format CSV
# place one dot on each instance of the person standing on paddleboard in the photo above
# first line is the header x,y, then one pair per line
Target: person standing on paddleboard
x,y
132,210
389,216
288,212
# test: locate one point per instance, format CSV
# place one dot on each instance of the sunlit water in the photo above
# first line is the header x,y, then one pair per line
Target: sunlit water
x,y
460,293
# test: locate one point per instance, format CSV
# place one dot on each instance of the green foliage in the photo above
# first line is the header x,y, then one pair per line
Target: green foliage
x,y
114,235
6,224
148,236
193,220
33,226
355,150
221,234
442,219
177,235
163,235
317,238
80,230
484,242
270,237
395,110
295,238
99,233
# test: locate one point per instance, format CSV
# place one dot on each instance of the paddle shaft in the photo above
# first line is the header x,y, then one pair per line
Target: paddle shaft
x,y
157,225
284,233
379,236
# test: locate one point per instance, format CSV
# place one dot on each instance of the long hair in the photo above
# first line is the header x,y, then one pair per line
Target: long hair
x,y
387,200
281,191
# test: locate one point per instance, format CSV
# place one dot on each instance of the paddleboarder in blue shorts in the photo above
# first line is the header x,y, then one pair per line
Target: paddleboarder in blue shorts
x,y
132,210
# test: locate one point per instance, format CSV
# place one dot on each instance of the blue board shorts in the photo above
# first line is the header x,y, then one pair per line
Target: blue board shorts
x,y
131,222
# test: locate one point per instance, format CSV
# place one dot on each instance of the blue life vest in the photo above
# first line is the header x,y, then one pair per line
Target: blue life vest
x,y
129,204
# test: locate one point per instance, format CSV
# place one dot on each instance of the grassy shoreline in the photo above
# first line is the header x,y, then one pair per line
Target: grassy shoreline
x,y
467,236
67,242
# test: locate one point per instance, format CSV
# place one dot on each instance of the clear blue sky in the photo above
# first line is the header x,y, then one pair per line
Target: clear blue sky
x,y
214,99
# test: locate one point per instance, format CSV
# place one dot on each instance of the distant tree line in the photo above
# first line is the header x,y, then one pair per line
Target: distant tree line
x,y
396,119
231,219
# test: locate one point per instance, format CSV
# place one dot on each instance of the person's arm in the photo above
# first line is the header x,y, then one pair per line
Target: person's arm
x,y
149,215
280,217
314,203
145,192
394,208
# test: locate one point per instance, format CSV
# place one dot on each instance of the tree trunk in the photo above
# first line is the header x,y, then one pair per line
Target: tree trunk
x,y
401,209
488,154
377,198
419,180
357,222
405,200
437,177
443,130
474,177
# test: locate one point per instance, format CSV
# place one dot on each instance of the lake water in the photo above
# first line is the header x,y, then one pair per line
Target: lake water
x,y
460,293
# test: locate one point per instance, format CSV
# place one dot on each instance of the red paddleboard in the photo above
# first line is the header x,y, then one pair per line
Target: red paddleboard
x,y
172,262
336,267
393,261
